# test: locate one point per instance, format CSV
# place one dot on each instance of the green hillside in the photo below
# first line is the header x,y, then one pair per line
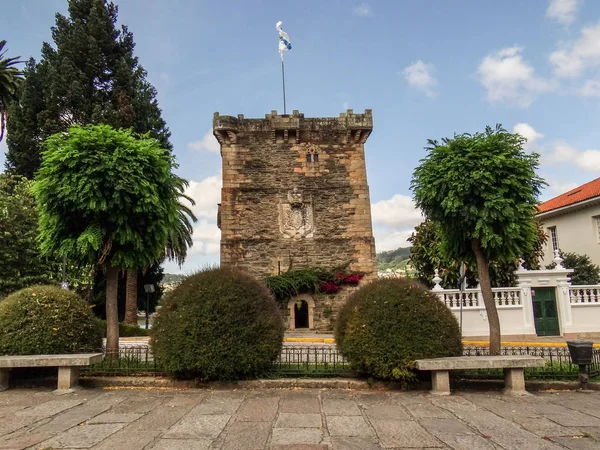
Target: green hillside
x,y
393,259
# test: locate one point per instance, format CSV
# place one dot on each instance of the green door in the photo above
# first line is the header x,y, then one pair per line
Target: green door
x,y
544,312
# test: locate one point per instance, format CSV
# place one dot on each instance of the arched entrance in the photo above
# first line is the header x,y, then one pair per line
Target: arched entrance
x,y
301,312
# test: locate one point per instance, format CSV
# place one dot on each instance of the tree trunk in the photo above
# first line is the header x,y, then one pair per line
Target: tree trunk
x,y
131,297
112,313
483,270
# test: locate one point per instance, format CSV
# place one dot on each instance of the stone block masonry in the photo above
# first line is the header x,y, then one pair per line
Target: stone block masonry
x,y
295,193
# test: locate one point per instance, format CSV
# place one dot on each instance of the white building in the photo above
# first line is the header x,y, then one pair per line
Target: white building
x,y
572,222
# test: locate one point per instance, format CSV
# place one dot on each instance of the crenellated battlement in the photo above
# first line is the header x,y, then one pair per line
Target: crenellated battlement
x,y
348,128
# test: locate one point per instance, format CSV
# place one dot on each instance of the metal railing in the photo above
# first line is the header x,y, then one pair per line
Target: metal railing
x,y
558,362
324,361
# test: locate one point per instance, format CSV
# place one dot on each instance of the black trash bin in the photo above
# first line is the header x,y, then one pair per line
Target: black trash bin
x,y
581,354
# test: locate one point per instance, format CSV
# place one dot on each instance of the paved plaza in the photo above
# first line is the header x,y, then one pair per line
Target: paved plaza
x,y
306,419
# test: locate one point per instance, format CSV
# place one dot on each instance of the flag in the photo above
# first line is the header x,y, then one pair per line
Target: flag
x,y
284,40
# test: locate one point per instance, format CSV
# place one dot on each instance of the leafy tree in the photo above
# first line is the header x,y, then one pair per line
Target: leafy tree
x,y
426,256
97,297
585,271
481,191
10,78
89,76
21,263
106,198
178,240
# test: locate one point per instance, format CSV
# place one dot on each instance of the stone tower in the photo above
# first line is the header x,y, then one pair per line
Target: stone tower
x,y
295,193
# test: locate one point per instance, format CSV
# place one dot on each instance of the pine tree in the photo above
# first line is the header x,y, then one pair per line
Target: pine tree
x,y
89,76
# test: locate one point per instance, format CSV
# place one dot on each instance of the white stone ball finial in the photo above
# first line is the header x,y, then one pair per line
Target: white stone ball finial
x,y
436,280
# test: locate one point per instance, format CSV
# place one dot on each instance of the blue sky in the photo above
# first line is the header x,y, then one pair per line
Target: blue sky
x,y
427,68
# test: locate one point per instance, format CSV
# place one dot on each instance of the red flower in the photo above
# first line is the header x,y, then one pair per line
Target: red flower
x,y
353,278
330,287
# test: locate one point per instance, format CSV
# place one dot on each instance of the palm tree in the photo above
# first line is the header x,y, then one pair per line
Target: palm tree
x,y
10,79
178,242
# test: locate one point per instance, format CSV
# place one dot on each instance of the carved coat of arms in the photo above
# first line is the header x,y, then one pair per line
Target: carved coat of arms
x,y
296,217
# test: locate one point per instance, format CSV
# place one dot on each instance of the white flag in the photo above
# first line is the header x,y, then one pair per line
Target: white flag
x,y
284,40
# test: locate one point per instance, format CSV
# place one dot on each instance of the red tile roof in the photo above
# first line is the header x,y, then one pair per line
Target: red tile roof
x,y
579,194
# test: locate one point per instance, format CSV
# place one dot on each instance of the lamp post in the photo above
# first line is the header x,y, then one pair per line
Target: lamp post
x,y
148,289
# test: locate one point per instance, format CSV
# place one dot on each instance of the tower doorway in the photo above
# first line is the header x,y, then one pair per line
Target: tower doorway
x,y
301,311
301,314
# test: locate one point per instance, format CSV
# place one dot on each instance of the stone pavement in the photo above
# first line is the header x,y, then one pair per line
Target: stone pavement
x,y
295,419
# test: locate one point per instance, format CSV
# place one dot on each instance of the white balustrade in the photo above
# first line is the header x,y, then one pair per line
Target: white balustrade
x,y
471,298
584,294
453,297
507,296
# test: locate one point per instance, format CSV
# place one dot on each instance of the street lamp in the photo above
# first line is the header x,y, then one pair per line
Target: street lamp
x,y
149,289
581,354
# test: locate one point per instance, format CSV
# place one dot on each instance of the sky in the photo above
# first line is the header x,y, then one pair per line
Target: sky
x,y
427,68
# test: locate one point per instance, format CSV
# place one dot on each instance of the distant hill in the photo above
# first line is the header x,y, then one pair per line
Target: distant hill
x,y
172,278
393,259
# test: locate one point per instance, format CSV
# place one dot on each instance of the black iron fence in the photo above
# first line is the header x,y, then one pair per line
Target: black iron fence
x,y
321,361
558,362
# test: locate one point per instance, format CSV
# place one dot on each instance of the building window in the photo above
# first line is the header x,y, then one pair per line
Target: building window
x,y
553,238
312,157
597,219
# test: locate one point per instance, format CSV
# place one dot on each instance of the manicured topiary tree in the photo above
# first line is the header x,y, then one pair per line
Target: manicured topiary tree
x,y
42,320
481,191
217,324
106,198
388,324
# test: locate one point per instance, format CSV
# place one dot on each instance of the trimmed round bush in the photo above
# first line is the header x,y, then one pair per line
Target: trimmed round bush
x,y
387,324
219,324
46,320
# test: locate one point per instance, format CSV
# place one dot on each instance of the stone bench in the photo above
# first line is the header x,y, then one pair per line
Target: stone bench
x,y
514,377
68,366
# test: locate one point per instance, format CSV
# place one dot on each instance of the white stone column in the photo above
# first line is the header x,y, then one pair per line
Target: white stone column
x,y
527,302
563,303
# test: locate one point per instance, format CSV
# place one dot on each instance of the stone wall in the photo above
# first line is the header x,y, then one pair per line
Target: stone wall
x,y
295,193
326,309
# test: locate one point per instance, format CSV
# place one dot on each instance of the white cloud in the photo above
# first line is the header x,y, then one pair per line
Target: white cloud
x,y
399,211
584,159
363,10
507,77
591,88
560,187
563,11
528,132
394,221
207,194
421,76
571,61
391,240
208,143
207,238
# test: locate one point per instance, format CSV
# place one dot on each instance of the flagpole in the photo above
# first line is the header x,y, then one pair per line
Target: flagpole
x,y
283,78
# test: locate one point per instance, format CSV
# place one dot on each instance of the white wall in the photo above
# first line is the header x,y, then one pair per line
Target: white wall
x,y
511,321
576,232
